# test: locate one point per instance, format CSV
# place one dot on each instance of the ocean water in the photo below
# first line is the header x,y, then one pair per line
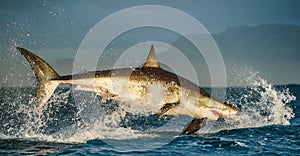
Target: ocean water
x,y
78,123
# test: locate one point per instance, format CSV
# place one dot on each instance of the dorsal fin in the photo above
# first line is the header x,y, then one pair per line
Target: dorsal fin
x,y
151,59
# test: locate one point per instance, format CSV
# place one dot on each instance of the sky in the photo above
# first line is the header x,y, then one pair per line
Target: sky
x,y
55,29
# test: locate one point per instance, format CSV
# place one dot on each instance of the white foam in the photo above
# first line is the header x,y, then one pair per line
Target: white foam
x,y
262,103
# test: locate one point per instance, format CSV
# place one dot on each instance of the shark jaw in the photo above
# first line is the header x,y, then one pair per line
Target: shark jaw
x,y
151,87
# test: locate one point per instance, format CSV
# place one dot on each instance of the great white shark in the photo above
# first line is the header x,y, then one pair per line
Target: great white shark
x,y
178,96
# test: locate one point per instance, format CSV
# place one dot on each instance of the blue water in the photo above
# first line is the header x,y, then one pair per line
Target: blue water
x,y
268,123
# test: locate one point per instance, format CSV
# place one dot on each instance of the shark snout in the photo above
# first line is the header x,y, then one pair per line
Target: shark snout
x,y
224,110
229,111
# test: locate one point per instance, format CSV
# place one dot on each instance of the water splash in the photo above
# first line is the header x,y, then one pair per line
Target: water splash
x,y
260,102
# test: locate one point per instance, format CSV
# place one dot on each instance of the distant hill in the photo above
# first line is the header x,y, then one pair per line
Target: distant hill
x,y
268,42
271,49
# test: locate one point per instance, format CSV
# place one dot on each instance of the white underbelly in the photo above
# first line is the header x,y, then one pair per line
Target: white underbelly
x,y
145,95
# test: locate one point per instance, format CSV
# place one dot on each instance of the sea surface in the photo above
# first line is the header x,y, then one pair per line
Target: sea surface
x,y
79,123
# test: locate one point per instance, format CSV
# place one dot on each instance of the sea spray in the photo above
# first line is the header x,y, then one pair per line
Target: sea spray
x,y
260,102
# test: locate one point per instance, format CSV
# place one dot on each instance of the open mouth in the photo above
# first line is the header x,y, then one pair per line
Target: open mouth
x,y
215,112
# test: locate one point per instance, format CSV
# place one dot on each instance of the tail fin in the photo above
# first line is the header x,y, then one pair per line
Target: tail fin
x,y
44,73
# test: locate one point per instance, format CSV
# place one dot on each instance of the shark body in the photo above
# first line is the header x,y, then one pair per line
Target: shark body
x,y
170,94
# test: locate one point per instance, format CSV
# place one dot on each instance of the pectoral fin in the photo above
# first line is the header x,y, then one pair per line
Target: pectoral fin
x,y
166,108
194,126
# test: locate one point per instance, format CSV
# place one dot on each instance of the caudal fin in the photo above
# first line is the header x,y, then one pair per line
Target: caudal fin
x,y
44,73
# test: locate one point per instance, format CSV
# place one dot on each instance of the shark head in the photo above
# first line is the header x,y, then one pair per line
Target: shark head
x,y
228,111
223,110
